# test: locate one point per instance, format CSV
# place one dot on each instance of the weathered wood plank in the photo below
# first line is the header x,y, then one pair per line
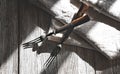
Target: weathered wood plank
x,y
28,24
67,62
30,62
34,22
59,8
8,37
70,60
60,11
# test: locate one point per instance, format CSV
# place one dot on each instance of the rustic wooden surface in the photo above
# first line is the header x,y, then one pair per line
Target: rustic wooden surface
x,y
29,23
63,11
8,37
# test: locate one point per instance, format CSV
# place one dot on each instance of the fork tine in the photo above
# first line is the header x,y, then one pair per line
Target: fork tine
x,y
49,61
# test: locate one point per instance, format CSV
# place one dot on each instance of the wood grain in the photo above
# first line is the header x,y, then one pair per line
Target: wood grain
x,y
63,14
19,24
71,59
31,63
28,22
34,22
8,37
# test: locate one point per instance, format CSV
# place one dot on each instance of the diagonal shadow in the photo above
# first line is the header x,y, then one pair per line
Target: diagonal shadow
x,y
99,66
8,29
94,58
18,18
102,64
28,27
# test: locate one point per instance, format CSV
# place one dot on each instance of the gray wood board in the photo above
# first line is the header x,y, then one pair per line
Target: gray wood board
x,y
64,13
33,22
8,37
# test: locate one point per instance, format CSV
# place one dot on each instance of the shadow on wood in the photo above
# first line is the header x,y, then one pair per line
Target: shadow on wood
x,y
94,58
18,24
8,33
98,61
